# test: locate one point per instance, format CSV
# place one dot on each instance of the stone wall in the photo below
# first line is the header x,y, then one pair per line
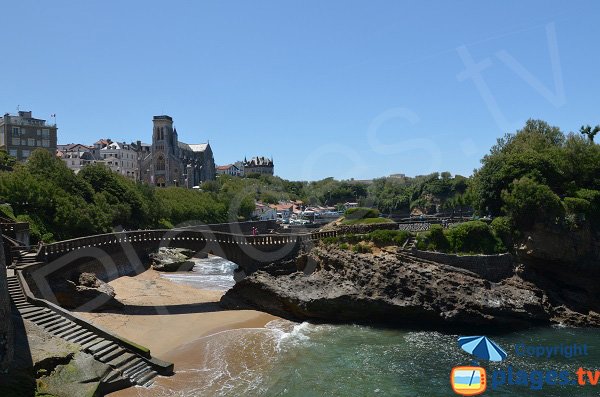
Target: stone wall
x,y
362,229
490,267
238,227
6,326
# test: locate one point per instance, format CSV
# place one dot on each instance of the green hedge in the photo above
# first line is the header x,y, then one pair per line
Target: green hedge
x,y
383,238
475,237
361,213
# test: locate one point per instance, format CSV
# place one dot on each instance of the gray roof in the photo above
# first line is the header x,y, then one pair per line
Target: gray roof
x,y
200,147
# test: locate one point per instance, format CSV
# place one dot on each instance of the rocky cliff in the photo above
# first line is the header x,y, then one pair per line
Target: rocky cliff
x,y
400,290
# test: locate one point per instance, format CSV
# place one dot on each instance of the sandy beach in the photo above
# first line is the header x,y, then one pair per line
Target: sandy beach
x,y
169,318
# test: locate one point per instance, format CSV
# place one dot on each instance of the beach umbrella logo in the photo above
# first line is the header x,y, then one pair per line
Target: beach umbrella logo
x,y
482,347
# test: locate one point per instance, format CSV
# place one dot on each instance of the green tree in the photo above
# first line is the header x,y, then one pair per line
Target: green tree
x,y
527,202
590,132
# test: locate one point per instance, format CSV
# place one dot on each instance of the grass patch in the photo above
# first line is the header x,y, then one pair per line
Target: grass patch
x,y
366,221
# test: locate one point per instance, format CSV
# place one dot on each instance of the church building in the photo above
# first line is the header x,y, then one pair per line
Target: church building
x,y
174,163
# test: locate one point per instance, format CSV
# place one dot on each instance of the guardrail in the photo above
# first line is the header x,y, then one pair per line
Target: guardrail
x,y
167,235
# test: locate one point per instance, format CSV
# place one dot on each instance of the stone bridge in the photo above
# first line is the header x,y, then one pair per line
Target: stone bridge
x,y
115,254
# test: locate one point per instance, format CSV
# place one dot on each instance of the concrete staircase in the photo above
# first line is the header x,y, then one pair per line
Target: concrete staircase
x,y
24,258
126,365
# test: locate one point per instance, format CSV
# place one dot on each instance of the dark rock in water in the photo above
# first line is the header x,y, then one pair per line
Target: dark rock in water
x,y
87,292
395,289
172,260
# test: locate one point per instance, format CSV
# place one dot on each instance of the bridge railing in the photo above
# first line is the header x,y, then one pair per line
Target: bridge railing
x,y
140,236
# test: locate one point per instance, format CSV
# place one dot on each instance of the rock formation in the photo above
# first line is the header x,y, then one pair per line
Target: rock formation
x,y
86,292
399,290
172,260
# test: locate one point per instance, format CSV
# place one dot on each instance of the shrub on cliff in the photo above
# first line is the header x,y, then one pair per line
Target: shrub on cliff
x,y
503,229
383,238
474,237
362,248
436,239
528,202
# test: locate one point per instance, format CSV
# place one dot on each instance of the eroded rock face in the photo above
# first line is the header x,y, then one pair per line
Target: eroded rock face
x,y
172,260
399,290
545,244
86,292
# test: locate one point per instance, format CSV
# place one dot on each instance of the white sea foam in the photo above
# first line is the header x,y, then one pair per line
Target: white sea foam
x,y
212,273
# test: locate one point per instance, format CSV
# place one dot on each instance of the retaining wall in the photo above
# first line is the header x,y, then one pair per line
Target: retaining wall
x,y
6,325
490,267
362,229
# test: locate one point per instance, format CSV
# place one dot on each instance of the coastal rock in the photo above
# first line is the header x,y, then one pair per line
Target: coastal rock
x,y
392,289
172,260
86,291
552,245
47,365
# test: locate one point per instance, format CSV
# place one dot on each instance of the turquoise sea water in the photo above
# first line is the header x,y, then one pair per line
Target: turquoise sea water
x,y
290,359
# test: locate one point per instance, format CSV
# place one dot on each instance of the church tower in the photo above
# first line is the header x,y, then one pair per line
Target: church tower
x,y
164,149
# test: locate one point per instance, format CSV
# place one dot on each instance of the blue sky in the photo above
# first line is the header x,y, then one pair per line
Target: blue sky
x,y
328,88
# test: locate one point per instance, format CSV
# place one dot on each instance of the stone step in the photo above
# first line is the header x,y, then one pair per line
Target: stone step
x,y
49,319
120,360
74,335
106,350
131,363
87,339
59,326
35,309
63,327
86,346
83,336
112,376
130,371
147,380
134,376
41,316
56,321
99,346
70,331
111,355
32,314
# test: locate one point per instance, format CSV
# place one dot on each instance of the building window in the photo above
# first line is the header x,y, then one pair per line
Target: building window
x,y
15,131
16,141
39,132
45,143
45,133
13,152
25,153
31,142
160,163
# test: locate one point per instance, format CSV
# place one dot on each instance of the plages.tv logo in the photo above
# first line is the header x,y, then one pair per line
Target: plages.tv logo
x,y
472,380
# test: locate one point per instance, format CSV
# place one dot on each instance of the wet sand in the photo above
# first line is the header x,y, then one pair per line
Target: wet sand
x,y
173,320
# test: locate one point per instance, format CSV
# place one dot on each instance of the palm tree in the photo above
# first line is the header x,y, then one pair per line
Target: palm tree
x,y
589,131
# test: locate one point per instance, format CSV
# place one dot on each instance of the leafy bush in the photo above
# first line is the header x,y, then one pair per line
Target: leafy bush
x,y
528,202
574,205
593,198
503,229
388,237
6,210
362,248
436,239
344,246
361,213
474,237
